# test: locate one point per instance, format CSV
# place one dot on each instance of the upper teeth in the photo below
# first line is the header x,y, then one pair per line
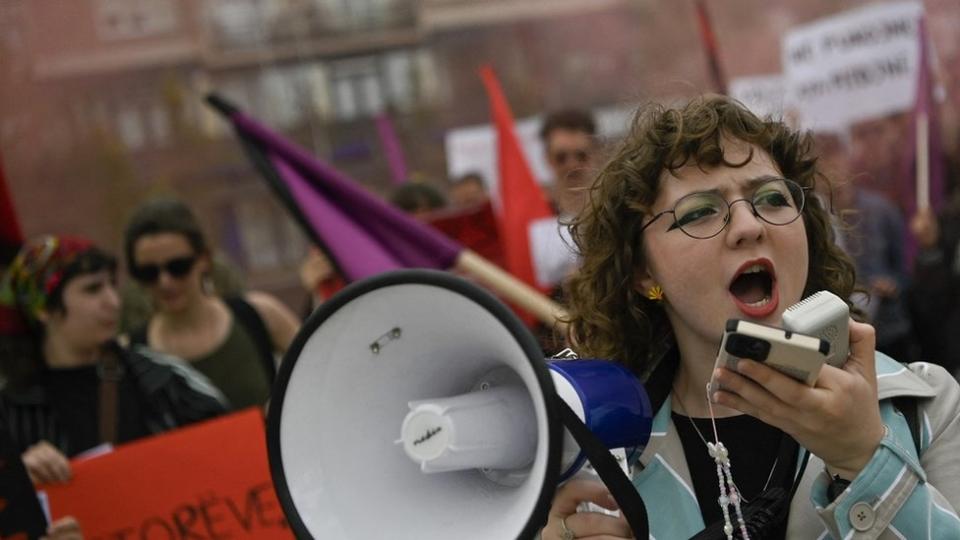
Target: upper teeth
x,y
754,269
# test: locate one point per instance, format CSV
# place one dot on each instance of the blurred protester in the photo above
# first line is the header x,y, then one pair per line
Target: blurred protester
x,y
232,340
935,294
876,150
319,278
468,191
872,234
70,386
569,140
418,199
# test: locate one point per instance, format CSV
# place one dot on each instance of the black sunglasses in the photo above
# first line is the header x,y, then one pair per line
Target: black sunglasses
x,y
176,268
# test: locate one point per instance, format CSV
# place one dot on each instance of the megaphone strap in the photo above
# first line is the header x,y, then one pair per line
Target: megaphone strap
x,y
620,486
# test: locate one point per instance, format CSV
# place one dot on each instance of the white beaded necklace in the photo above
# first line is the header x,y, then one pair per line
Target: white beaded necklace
x,y
729,494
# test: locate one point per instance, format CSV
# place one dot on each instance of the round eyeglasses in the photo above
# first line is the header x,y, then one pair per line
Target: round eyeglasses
x,y
704,214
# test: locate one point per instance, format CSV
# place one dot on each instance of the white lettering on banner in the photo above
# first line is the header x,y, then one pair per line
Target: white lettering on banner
x,y
858,65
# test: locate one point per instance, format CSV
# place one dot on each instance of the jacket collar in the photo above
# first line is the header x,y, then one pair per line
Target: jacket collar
x,y
896,379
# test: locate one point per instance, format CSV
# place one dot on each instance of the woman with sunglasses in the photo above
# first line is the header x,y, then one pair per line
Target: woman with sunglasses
x,y
69,385
234,341
701,216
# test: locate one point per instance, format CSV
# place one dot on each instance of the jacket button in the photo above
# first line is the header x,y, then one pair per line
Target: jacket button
x,y
862,516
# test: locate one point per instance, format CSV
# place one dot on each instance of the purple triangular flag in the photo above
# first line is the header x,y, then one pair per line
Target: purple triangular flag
x,y
362,234
391,148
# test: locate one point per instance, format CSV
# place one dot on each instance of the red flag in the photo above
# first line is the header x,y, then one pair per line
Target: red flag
x,y
521,200
11,236
710,46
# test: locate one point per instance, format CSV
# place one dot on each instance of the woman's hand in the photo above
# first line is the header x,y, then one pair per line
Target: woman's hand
x,y
46,464
584,525
65,528
838,419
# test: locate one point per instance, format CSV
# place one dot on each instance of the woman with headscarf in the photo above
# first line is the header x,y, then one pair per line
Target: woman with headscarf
x,y
69,385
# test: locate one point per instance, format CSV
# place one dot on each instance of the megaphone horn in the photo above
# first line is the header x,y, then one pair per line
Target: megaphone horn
x,y
417,401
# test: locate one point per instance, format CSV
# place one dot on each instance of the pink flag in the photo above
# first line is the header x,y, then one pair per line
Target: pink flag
x,y
392,149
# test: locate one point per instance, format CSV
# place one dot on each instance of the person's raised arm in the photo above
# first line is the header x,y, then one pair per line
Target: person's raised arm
x,y
281,322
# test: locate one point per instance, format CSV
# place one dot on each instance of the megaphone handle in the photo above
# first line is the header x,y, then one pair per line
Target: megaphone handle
x,y
622,489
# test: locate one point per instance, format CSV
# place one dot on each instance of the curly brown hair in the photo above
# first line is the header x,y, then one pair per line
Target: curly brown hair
x,y
608,317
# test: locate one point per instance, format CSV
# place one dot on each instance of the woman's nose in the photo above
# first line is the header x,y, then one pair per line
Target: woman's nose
x,y
744,224
111,296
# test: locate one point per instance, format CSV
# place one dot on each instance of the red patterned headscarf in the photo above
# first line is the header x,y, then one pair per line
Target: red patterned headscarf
x,y
38,270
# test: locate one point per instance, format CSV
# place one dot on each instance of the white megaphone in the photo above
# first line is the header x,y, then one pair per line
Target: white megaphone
x,y
416,405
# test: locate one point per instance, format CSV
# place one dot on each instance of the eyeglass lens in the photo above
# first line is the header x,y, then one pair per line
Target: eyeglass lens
x,y
705,214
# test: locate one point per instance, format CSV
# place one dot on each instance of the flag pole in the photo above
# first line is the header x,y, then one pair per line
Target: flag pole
x,y
923,161
512,289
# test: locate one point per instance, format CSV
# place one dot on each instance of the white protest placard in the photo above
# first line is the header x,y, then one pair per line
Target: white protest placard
x,y
858,65
473,149
762,94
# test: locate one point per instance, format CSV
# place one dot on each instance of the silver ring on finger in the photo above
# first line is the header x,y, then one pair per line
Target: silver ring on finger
x,y
565,532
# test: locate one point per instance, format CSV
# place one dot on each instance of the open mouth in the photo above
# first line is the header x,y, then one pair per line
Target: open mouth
x,y
754,288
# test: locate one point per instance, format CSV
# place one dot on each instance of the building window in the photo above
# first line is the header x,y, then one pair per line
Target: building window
x,y
238,23
363,86
127,19
256,233
159,124
266,236
130,128
359,14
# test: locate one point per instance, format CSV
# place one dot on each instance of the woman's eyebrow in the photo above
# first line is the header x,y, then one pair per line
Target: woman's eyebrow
x,y
714,191
751,183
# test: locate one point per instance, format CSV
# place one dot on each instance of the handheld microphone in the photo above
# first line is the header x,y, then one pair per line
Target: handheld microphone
x,y
824,315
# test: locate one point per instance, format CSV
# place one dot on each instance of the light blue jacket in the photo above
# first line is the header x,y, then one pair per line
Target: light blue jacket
x,y
895,496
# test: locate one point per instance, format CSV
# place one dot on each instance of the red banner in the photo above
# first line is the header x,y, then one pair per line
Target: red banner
x,y
207,481
474,228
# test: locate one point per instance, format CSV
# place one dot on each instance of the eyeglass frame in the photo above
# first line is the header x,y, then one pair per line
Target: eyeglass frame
x,y
727,218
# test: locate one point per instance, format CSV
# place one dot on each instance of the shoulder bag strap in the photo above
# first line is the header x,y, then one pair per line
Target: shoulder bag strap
x,y
110,371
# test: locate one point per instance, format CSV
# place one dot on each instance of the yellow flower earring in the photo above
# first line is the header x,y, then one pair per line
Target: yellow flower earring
x,y
655,293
